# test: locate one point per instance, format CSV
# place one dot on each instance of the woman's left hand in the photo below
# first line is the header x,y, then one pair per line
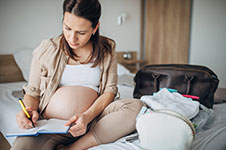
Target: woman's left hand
x,y
79,124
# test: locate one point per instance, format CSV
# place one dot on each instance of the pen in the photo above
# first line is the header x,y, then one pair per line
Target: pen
x,y
25,111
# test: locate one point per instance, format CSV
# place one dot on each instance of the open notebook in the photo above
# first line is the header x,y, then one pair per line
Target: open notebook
x,y
50,126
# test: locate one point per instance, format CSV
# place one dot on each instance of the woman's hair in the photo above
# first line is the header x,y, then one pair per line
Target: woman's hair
x,y
90,10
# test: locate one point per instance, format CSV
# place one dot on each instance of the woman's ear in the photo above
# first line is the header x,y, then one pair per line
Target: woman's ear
x,y
97,26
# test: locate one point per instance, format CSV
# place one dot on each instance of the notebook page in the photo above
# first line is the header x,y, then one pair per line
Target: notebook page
x,y
54,126
26,132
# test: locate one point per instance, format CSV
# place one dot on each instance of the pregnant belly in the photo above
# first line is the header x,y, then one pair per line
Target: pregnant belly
x,y
70,100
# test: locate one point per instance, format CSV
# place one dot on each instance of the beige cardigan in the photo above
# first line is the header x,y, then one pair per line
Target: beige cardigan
x,y
47,66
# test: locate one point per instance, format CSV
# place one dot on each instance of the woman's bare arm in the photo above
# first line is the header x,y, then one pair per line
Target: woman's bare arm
x,y
99,105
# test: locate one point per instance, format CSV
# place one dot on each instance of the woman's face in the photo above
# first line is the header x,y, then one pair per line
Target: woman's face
x,y
77,30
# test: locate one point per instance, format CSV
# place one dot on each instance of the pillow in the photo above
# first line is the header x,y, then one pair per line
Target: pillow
x,y
126,79
23,59
122,70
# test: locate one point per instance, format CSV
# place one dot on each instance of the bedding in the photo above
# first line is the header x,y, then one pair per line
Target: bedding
x,y
9,107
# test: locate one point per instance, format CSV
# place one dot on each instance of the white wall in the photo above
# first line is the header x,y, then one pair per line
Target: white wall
x,y
24,23
127,35
208,36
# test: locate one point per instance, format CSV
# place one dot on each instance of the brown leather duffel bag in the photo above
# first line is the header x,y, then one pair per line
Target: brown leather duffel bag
x,y
186,79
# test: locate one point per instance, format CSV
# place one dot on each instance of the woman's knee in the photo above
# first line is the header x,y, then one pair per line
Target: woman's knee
x,y
137,104
129,109
133,105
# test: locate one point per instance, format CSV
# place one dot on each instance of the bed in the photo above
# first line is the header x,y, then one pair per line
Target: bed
x,y
211,136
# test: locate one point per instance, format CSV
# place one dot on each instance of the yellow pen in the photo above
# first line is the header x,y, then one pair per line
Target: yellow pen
x,y
25,111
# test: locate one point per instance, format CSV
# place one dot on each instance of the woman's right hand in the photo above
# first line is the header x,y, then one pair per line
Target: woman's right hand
x,y
24,122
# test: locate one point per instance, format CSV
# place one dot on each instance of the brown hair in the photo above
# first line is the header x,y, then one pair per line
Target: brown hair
x,y
90,10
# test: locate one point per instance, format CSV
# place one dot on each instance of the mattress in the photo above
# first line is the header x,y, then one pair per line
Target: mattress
x,y
211,136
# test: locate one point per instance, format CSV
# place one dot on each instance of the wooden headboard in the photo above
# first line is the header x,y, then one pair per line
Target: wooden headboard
x,y
9,71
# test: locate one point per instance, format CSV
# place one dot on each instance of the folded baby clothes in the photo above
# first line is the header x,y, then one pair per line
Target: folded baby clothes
x,y
172,101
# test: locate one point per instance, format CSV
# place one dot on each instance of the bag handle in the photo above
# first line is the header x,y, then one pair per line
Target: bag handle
x,y
156,85
189,79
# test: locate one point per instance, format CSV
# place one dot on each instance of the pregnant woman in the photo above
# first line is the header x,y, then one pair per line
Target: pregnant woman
x,y
73,77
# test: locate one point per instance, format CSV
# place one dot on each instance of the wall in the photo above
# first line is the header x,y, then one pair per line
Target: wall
x,y
208,36
127,35
24,23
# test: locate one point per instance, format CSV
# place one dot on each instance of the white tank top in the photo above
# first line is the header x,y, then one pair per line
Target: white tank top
x,y
81,75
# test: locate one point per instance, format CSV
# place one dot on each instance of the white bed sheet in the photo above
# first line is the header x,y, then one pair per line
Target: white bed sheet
x,y
9,107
